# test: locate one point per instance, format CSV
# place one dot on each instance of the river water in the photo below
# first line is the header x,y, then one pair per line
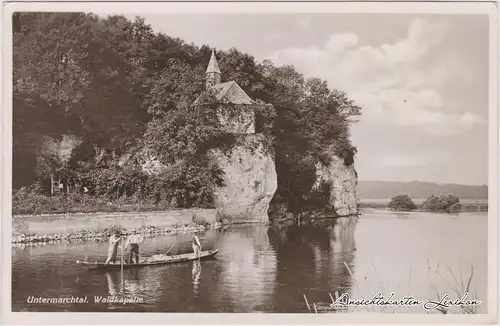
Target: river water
x,y
272,268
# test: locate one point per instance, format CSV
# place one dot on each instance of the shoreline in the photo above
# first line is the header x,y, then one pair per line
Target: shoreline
x,y
467,209
98,226
30,230
103,235
55,228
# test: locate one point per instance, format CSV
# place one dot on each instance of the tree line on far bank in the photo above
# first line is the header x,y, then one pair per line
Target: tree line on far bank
x,y
442,203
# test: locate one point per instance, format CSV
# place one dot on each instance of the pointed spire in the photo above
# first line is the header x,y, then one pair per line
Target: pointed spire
x,y
212,74
213,66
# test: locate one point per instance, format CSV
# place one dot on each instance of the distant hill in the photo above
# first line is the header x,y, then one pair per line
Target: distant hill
x,y
418,190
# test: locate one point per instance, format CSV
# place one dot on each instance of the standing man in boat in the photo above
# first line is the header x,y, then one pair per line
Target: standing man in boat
x,y
134,240
114,240
196,246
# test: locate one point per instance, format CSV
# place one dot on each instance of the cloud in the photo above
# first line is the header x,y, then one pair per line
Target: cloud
x,y
468,120
399,83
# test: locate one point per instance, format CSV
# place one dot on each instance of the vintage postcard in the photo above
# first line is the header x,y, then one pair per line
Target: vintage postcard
x,y
190,162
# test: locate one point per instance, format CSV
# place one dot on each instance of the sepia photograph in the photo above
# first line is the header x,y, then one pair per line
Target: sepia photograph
x,y
264,162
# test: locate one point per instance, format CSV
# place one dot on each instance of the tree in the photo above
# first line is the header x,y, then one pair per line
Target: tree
x,y
402,203
312,123
73,75
442,203
120,88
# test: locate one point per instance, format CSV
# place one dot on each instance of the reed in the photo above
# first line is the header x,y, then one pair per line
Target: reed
x,y
458,285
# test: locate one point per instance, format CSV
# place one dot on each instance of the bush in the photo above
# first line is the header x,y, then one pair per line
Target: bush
x,y
443,203
402,203
29,201
200,221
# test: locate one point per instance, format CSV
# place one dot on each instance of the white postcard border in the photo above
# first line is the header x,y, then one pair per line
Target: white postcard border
x,y
24,318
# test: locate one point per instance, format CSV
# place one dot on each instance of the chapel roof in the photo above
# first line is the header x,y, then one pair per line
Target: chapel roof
x,y
230,93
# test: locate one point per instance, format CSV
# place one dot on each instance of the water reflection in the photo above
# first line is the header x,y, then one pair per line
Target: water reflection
x,y
126,284
112,284
132,283
196,273
312,261
250,271
342,235
260,268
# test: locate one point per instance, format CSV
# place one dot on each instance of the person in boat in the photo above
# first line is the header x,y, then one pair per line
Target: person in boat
x,y
134,240
196,246
114,240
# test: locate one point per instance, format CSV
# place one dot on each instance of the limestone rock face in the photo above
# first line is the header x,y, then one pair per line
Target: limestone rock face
x,y
343,179
62,149
250,181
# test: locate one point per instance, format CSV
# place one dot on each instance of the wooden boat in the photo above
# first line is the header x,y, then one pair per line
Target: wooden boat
x,y
150,261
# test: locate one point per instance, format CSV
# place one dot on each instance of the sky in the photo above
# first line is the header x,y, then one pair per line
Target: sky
x,y
422,80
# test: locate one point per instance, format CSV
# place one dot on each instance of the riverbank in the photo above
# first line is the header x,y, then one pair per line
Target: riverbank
x,y
55,228
466,207
28,230
98,226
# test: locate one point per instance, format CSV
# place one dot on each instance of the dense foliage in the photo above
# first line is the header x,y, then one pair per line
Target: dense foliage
x,y
443,203
402,203
120,88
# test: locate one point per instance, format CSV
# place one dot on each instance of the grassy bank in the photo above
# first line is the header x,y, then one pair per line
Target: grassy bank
x,y
29,202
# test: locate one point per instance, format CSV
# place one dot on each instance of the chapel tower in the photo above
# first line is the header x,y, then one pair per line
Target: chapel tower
x,y
213,72
235,108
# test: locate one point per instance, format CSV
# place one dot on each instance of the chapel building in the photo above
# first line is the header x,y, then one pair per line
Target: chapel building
x,y
235,111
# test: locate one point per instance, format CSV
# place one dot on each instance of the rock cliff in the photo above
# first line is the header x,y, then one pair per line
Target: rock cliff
x,y
343,180
250,180
249,176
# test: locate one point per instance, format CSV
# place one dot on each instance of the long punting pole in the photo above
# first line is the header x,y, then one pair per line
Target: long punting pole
x,y
121,267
